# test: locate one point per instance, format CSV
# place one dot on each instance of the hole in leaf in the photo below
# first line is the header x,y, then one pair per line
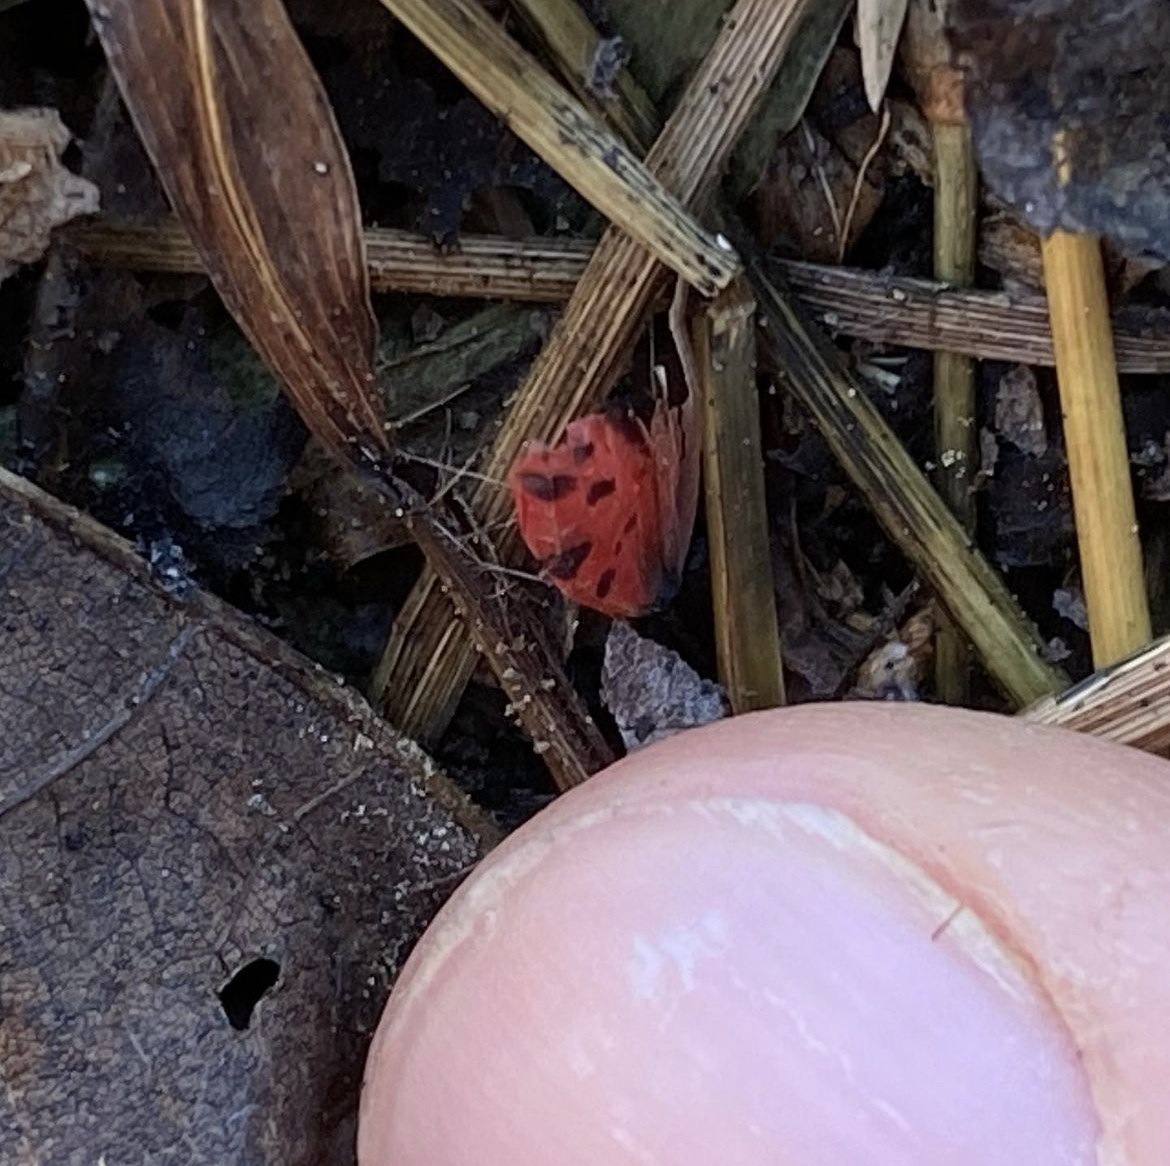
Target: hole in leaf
x,y
240,995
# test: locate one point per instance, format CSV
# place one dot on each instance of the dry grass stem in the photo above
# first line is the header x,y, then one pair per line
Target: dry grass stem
x,y
747,636
868,305
956,198
1128,702
598,79
1098,460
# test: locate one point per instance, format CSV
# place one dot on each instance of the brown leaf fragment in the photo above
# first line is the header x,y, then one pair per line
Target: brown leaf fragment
x,y
823,183
214,859
246,146
37,193
896,669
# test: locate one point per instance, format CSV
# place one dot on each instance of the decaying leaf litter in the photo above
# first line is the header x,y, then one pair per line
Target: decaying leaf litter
x,y
352,502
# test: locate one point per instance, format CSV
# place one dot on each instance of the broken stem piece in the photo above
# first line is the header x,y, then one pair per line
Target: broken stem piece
x,y
542,113
743,600
1094,434
580,54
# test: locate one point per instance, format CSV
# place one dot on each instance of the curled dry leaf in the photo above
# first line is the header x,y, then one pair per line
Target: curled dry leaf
x,y
37,193
245,144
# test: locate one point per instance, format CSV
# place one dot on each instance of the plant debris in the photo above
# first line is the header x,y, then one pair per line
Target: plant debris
x,y
651,692
37,193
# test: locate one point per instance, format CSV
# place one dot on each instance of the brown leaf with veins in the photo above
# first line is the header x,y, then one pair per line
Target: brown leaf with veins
x,y
214,859
241,133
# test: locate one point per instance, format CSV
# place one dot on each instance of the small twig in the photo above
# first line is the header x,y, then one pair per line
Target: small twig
x,y
516,648
430,407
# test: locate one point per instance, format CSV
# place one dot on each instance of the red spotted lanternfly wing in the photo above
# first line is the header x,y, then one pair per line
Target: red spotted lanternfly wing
x,y
609,509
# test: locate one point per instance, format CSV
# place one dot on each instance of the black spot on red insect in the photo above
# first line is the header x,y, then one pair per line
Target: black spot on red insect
x,y
605,583
567,563
599,490
582,453
631,522
548,487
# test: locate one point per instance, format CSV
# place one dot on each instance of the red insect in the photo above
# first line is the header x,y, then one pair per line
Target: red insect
x,y
609,509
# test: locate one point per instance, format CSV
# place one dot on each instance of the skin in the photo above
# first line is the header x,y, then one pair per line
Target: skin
x,y
853,932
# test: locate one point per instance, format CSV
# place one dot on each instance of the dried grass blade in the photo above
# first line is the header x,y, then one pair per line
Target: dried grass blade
x,y
747,635
239,129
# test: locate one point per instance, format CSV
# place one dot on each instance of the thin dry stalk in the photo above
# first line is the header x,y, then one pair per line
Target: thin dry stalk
x,y
1128,703
426,664
920,313
596,163
927,57
747,635
1098,461
956,197
581,58
899,495
914,313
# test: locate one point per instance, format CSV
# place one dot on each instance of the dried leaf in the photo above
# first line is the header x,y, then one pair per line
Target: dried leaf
x,y
822,179
238,126
879,24
896,669
37,193
213,861
651,691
